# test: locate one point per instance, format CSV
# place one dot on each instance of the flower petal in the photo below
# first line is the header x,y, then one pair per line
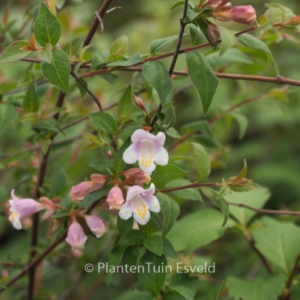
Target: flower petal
x,y
154,204
140,134
147,165
130,156
133,192
162,157
125,212
160,138
140,210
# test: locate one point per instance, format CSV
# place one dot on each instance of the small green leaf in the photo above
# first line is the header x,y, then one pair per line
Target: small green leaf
x,y
49,124
158,44
201,161
242,122
185,285
118,48
242,174
201,126
154,243
58,72
46,28
124,225
170,211
109,77
14,53
261,289
104,122
196,35
7,113
125,104
119,164
99,59
126,62
203,78
150,280
30,118
157,75
115,257
31,100
173,133
2,285
168,249
91,198
228,39
104,166
132,237
214,292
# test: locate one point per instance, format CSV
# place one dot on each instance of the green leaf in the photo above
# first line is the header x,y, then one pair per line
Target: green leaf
x,y
132,237
242,173
14,53
126,62
115,257
125,104
173,133
118,48
170,211
104,122
163,174
158,44
222,204
104,166
196,35
150,280
154,243
201,161
157,75
2,285
31,100
46,27
202,77
168,249
30,118
228,39
58,72
201,126
278,242
91,198
242,122
214,292
49,124
197,229
267,289
255,198
185,285
124,225
119,164
99,59
7,112
109,77
185,194
58,183
254,43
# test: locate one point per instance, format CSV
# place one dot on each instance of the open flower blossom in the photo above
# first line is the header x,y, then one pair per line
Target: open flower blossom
x,y
146,149
115,198
79,191
20,208
76,237
96,224
244,14
138,203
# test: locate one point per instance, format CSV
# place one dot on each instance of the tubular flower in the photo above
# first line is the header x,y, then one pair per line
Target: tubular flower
x,y
147,149
97,225
115,198
79,191
138,203
76,237
218,3
20,208
136,176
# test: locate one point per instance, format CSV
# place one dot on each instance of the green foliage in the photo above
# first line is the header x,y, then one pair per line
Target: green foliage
x,y
202,77
125,104
14,52
214,292
104,122
31,100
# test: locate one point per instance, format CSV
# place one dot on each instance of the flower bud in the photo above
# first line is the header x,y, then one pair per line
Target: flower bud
x,y
50,206
115,198
76,237
142,177
218,3
213,33
98,178
139,103
97,225
79,191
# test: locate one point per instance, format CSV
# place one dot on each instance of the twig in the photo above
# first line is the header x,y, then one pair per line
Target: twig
x,y
175,54
290,279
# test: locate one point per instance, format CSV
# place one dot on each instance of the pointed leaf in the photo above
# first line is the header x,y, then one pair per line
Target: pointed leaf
x,y
104,122
14,53
31,100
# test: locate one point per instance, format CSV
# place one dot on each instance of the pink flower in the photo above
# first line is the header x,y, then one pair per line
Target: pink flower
x,y
20,208
49,205
115,198
79,191
216,3
146,149
97,225
136,176
138,203
76,237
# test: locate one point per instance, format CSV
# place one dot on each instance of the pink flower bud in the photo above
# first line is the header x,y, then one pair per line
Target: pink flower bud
x,y
244,14
142,177
79,191
115,198
76,237
98,178
20,208
97,225
50,206
139,103
218,3
213,33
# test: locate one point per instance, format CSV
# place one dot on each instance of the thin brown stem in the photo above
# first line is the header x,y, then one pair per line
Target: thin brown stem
x,y
175,54
291,277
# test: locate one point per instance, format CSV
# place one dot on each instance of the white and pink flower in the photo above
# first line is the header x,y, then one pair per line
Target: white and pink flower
x,y
96,224
147,149
138,203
